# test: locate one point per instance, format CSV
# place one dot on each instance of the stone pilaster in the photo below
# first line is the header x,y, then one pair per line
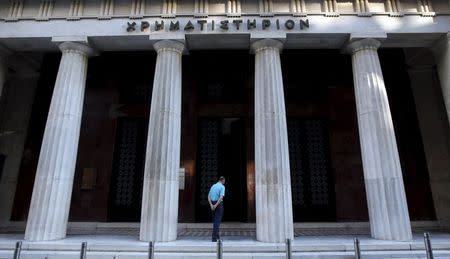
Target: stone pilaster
x,y
442,55
52,191
434,129
159,217
274,222
388,210
2,74
4,53
14,120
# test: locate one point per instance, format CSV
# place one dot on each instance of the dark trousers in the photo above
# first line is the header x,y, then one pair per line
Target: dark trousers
x,y
216,219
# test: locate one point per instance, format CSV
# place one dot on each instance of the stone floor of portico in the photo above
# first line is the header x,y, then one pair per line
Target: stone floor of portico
x,y
235,246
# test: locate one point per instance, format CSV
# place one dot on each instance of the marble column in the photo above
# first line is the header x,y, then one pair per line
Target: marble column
x,y
388,210
159,217
274,222
442,55
52,191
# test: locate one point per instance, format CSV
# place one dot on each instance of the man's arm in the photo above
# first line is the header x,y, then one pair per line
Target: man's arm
x,y
210,203
218,202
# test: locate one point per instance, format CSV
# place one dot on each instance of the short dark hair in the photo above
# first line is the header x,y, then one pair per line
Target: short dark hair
x,y
221,178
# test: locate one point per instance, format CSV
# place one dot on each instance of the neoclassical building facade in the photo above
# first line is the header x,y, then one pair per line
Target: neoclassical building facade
x,y
315,110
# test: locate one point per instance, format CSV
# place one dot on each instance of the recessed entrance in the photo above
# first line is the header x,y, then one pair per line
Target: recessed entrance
x,y
128,169
222,152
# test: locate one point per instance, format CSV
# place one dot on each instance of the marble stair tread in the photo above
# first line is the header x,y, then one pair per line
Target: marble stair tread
x,y
238,245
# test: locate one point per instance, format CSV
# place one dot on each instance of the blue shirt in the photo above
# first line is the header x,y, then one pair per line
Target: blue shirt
x,y
216,191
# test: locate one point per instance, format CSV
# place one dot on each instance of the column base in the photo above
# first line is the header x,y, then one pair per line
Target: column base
x,y
392,222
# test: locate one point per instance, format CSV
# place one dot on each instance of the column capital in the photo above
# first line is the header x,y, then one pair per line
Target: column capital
x,y
169,45
84,49
363,44
267,43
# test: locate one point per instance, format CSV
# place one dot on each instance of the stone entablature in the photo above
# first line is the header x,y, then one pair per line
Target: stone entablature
x,y
313,31
136,9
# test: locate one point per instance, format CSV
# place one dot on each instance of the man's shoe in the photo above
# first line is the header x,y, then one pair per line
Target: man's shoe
x,y
214,240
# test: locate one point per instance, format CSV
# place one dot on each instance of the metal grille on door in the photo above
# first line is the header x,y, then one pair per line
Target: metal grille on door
x,y
126,164
128,170
310,169
297,170
209,156
318,161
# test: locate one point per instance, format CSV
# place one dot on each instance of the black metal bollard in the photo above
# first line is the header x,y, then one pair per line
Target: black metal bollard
x,y
357,248
428,248
288,248
219,249
151,250
83,250
17,250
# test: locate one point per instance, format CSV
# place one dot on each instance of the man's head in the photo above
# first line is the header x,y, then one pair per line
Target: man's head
x,y
222,179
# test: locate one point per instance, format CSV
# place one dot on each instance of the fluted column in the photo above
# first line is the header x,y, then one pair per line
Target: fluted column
x,y
159,215
388,210
274,222
442,55
52,191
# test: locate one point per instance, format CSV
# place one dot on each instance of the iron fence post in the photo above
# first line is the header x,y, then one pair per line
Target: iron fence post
x,y
219,249
357,248
83,250
18,250
428,248
288,249
151,250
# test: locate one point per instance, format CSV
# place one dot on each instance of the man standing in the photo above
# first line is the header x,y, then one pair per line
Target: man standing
x,y
215,199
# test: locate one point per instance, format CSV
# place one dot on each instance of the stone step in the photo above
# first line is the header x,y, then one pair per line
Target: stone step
x,y
234,255
110,247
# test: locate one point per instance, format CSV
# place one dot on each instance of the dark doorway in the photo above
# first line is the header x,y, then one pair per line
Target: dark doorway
x,y
222,152
128,169
312,186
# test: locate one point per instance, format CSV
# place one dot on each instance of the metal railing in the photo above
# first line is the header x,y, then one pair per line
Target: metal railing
x,y
428,248
357,248
219,249
17,250
288,248
151,250
83,250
